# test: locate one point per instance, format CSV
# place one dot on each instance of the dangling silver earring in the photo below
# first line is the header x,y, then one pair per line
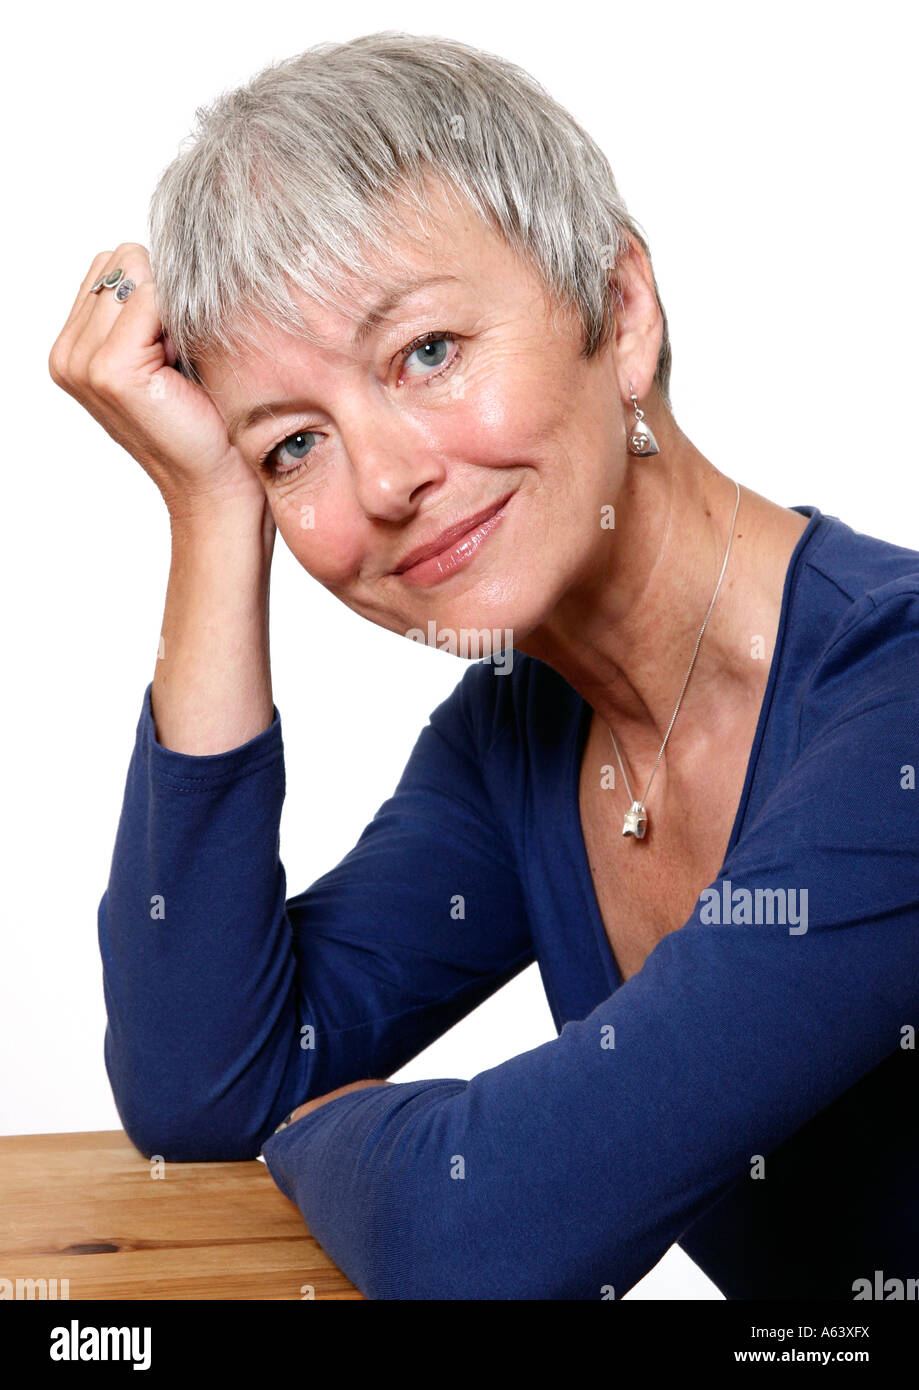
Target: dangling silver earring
x,y
641,439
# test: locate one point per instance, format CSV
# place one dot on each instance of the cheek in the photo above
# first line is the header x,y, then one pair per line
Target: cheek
x,y
509,410
514,403
322,531
552,417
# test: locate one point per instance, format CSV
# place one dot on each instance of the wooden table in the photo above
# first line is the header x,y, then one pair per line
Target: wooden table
x,y
85,1208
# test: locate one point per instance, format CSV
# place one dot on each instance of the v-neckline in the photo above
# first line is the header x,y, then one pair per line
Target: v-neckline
x,y
585,715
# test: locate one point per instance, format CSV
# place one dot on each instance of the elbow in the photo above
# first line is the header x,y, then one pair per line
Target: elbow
x,y
166,1123
173,1135
187,1146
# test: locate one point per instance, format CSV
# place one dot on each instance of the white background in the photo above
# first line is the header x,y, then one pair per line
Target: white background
x,y
767,151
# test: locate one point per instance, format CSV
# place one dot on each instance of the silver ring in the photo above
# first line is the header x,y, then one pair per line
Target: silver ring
x,y
109,281
123,290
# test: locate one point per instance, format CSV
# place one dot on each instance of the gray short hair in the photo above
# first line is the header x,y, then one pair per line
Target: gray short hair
x,y
287,179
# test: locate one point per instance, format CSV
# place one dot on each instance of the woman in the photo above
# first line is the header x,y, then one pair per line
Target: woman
x,y
418,333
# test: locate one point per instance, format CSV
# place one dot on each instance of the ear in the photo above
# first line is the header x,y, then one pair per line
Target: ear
x,y
639,323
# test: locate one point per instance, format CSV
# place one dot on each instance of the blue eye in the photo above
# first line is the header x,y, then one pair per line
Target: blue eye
x,y
433,353
298,444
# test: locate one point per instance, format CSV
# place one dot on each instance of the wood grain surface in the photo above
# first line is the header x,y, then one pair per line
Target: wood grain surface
x,y
85,1208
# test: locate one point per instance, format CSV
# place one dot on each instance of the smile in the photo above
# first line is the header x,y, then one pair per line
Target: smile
x,y
454,549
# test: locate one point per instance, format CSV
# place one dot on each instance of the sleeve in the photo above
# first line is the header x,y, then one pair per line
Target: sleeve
x,y
229,1005
574,1166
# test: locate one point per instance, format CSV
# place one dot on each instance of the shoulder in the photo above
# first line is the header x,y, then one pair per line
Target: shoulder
x,y
868,655
856,564
837,811
870,660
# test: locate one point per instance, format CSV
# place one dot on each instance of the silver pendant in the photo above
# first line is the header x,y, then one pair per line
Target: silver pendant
x,y
641,435
642,441
636,821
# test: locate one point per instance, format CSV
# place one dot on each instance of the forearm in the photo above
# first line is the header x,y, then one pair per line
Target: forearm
x,y
202,1045
212,684
569,1170
202,1042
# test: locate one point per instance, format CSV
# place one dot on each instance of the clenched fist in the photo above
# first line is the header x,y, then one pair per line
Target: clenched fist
x,y
113,358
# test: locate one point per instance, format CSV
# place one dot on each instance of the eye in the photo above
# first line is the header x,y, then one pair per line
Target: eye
x,y
296,446
432,353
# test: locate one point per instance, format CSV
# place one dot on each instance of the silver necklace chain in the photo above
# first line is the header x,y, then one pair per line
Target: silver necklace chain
x,y
688,673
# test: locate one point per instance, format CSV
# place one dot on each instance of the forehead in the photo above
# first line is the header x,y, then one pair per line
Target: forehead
x,y
446,239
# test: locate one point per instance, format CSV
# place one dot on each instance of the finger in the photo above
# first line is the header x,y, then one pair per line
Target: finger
x,y
130,257
80,313
92,275
58,360
101,311
137,325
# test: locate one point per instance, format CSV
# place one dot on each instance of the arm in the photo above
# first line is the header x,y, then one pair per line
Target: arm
x,y
577,1164
236,1004
207,769
211,689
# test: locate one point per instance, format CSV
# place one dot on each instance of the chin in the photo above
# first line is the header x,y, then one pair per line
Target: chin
x,y
486,618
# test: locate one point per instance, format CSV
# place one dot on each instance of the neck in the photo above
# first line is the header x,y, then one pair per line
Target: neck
x,y
624,632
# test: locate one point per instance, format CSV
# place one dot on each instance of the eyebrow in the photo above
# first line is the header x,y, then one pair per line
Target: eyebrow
x,y
368,324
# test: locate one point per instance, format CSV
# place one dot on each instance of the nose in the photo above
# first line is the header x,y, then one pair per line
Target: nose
x,y
392,464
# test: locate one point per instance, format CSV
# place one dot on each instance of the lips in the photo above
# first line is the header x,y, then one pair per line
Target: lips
x,y
449,537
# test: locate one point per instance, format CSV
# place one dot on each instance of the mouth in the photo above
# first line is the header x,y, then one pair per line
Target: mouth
x,y
453,549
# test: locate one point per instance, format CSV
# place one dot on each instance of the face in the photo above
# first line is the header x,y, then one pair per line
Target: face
x,y
466,409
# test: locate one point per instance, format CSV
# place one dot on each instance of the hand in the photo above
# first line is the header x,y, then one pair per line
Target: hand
x,y
114,359
315,1103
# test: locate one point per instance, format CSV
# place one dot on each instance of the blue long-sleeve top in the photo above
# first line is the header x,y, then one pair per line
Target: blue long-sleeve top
x,y
750,1093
